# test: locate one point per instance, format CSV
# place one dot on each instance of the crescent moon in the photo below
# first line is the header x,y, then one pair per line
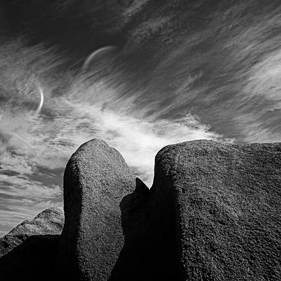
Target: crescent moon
x,y
41,100
95,53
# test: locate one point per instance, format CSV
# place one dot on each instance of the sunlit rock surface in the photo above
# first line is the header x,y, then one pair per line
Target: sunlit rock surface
x,y
95,181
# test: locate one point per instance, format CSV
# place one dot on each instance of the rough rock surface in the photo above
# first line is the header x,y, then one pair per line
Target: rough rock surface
x,y
213,213
50,221
29,250
227,202
95,181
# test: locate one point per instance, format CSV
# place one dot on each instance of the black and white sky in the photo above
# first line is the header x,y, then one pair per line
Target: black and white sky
x,y
137,74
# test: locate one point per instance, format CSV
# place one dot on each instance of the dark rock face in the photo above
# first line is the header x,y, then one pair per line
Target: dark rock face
x,y
95,181
226,200
48,222
150,250
28,252
34,259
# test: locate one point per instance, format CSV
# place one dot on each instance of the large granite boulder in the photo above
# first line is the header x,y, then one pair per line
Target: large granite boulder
x,y
213,213
95,181
227,205
28,252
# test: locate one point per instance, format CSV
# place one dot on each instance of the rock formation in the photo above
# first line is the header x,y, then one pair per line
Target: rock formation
x,y
226,200
95,181
28,252
48,222
213,213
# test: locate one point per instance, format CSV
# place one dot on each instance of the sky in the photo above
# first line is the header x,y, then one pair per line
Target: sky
x,y
176,78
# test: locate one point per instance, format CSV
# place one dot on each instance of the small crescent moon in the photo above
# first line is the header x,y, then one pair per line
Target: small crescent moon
x,y
41,100
95,53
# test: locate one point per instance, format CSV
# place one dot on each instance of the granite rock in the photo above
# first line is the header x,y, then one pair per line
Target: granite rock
x,y
227,208
95,181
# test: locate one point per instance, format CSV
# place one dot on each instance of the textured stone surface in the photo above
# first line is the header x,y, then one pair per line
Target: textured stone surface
x,y
227,206
29,250
213,213
50,221
95,181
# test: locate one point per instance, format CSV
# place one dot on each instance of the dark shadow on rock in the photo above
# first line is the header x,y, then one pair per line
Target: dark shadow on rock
x,y
34,259
150,251
48,222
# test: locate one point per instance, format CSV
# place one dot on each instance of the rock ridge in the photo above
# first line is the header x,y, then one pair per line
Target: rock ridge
x,y
213,213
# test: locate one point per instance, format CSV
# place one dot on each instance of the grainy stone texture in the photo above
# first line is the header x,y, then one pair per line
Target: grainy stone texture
x,y
227,204
95,181
29,250
50,221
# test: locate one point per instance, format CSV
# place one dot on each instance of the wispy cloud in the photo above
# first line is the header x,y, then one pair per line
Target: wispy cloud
x,y
231,82
22,199
36,145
